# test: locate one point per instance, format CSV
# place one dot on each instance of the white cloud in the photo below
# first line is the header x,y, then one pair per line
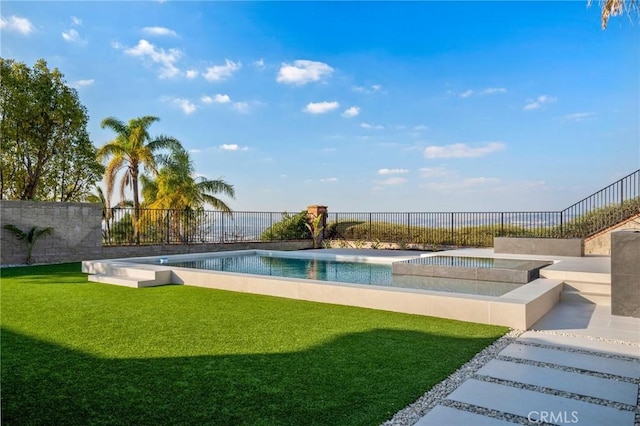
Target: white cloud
x,y
538,102
191,74
462,150
259,64
487,91
329,180
303,72
218,98
233,147
16,24
320,107
372,126
392,171
368,90
222,99
83,83
222,72
577,116
159,31
72,36
430,172
420,127
166,59
241,106
351,112
76,21
116,45
195,151
392,181
185,105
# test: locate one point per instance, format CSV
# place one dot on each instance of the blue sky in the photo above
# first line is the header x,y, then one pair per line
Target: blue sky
x,y
381,106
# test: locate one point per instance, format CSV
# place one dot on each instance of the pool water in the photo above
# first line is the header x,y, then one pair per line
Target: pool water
x,y
343,272
312,269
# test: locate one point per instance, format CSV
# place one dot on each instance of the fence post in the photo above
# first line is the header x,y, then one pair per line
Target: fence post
x,y
370,228
221,227
561,223
452,232
502,224
621,192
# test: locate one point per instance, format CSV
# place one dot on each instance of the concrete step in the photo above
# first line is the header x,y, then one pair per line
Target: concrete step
x,y
591,277
537,406
551,378
442,415
573,296
582,343
588,287
595,363
125,282
121,281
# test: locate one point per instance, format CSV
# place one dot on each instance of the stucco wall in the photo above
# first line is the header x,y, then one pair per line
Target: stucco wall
x,y
76,233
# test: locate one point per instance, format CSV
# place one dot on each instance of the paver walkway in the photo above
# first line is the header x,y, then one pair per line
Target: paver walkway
x,y
553,376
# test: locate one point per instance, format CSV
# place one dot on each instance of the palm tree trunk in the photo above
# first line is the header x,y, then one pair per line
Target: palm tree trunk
x,y
136,205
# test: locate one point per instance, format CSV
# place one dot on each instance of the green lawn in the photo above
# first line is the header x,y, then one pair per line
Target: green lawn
x,y
75,352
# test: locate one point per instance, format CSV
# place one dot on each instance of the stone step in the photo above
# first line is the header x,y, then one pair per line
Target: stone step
x,y
588,287
580,384
539,407
441,415
595,363
573,296
582,343
121,281
590,277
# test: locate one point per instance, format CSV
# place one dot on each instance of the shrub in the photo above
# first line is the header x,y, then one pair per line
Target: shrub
x,y
291,227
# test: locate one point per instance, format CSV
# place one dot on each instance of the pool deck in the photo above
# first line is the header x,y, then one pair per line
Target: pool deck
x,y
577,365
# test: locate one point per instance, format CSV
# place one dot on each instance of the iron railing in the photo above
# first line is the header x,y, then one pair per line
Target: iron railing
x,y
425,230
156,226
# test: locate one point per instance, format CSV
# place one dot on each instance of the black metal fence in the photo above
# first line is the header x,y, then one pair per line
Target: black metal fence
x,y
187,226
425,230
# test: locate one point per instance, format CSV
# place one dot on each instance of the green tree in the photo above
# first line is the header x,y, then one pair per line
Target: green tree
x,y
45,150
131,149
177,187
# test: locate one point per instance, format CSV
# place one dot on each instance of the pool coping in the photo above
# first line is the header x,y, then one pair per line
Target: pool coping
x,y
519,308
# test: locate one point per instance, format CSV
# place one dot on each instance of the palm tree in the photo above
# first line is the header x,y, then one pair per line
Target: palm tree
x,y
617,7
177,188
131,148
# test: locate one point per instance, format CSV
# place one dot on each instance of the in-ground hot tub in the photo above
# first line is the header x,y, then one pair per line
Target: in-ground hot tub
x,y
473,268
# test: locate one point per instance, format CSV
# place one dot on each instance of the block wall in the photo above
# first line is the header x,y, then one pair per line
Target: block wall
x,y
77,232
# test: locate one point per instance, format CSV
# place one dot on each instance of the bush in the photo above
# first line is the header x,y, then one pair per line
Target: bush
x,y
290,228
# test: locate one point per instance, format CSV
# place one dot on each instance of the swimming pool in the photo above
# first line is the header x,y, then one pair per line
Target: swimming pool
x,y
367,273
518,308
